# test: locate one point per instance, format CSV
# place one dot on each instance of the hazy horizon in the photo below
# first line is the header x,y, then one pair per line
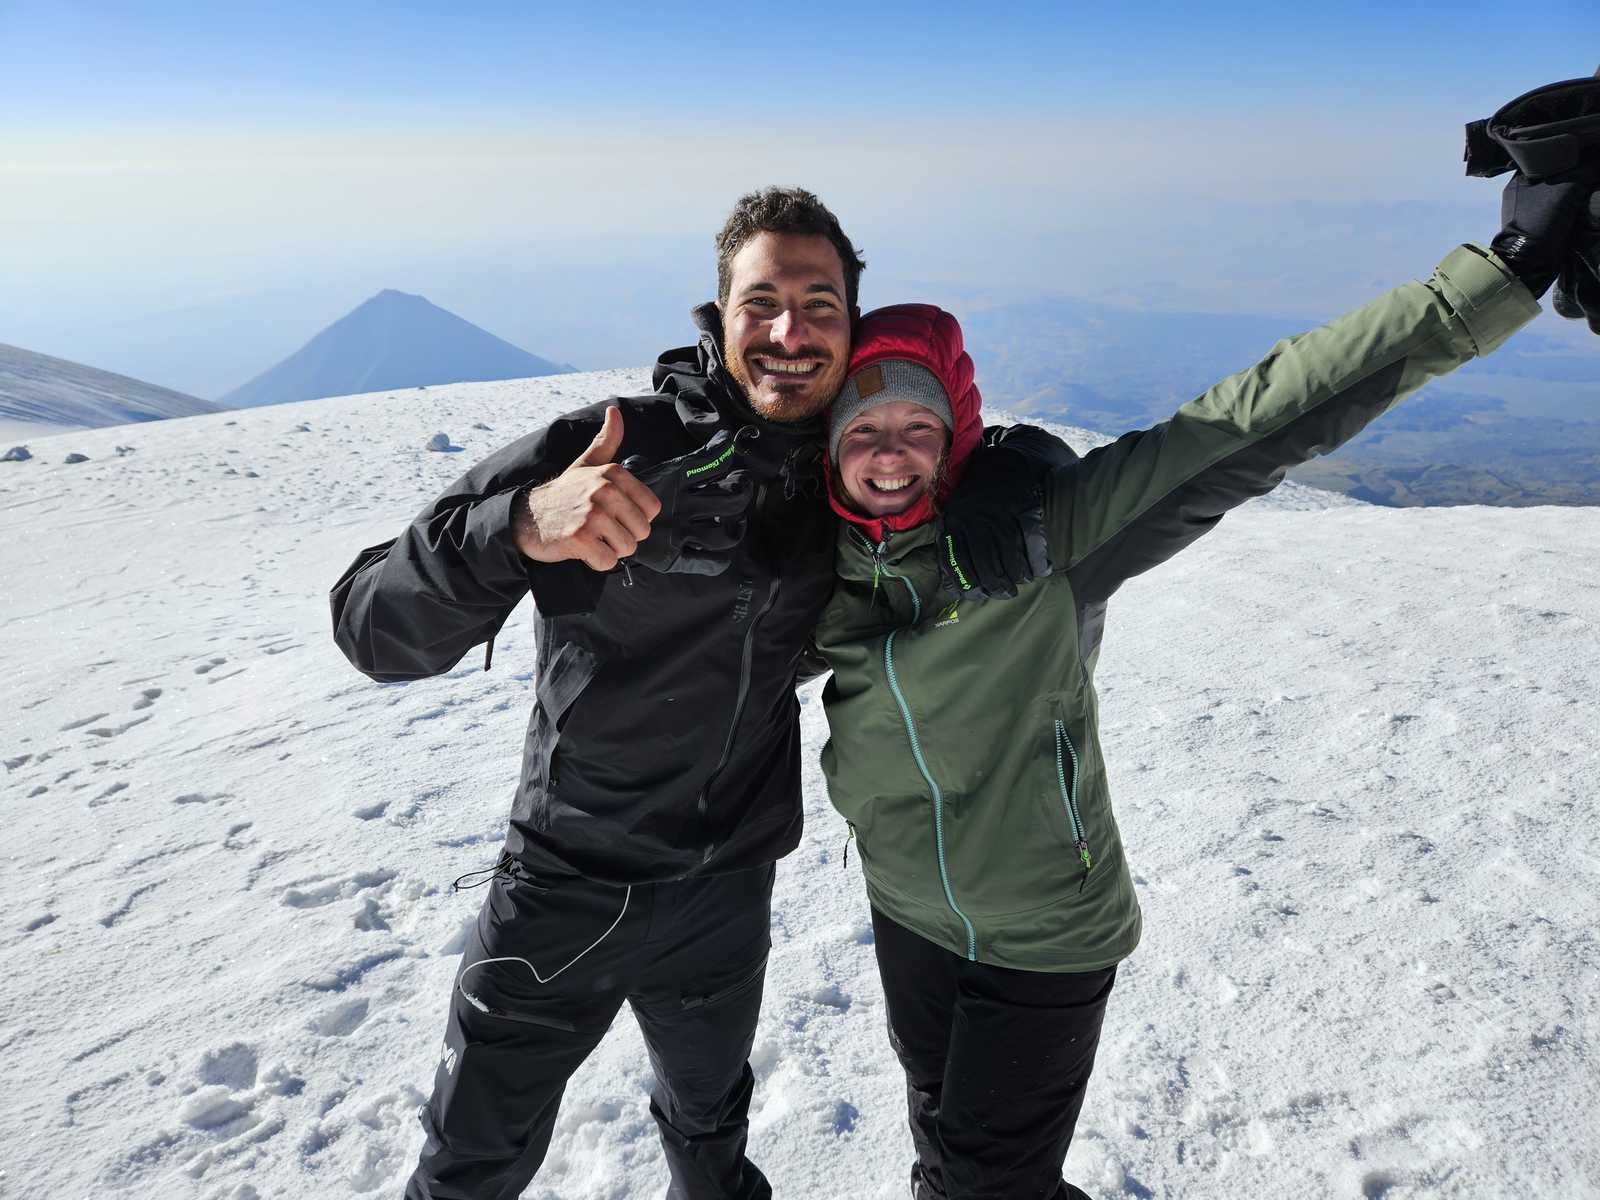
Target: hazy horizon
x,y
177,174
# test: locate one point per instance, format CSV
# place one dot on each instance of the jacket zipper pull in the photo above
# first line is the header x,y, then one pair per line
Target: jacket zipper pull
x,y
627,575
848,839
1088,864
488,653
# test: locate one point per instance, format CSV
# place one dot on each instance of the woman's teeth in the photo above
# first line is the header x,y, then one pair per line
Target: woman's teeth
x,y
891,485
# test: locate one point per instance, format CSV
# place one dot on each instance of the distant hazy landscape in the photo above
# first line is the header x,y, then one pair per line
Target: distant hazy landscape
x,y
40,395
1519,428
392,340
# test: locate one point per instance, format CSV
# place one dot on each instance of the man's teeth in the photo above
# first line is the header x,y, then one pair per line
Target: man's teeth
x,y
891,485
784,366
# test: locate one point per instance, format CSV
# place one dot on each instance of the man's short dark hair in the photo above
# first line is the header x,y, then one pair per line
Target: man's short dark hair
x,y
784,210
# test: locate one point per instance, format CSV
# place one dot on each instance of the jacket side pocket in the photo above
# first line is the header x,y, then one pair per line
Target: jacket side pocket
x,y
561,681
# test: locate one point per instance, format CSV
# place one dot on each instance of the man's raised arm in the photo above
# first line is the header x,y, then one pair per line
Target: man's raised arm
x,y
542,514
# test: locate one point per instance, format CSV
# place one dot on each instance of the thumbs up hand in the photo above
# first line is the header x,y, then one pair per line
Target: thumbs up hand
x,y
594,511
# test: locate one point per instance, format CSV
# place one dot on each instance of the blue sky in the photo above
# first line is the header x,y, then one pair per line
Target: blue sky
x,y
63,62
514,159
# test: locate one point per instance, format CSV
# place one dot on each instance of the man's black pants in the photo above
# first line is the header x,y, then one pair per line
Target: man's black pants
x,y
997,1062
689,957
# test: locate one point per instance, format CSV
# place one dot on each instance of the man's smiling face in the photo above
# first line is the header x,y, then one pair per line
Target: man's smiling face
x,y
786,324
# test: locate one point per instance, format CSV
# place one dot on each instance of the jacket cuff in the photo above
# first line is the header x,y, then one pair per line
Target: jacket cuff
x,y
559,588
1491,302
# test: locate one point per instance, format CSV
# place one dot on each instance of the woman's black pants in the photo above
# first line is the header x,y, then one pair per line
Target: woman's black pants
x,y
997,1062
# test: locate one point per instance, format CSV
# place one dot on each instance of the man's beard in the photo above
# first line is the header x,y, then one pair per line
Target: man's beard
x,y
787,405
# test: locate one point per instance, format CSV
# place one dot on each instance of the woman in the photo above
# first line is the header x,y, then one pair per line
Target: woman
x,y
965,748
964,757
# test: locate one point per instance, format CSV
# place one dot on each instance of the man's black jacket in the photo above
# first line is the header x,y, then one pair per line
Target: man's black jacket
x,y
664,739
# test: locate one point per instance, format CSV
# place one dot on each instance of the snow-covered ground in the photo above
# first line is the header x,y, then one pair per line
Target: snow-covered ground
x,y
1354,749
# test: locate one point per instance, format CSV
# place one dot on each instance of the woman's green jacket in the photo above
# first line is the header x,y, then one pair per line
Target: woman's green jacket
x,y
965,745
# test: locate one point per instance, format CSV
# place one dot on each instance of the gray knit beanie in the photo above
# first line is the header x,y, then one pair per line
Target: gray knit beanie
x,y
881,383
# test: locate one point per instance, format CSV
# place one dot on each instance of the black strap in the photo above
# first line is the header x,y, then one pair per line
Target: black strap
x,y
1541,133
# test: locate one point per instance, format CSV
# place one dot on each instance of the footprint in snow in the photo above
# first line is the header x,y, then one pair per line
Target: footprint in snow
x,y
198,798
845,1116
340,1020
146,698
348,976
388,1115
208,666
105,796
831,996
106,731
122,910
82,721
372,917
334,889
233,1066
213,1109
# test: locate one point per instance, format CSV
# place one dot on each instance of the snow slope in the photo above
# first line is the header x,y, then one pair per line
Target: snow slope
x,y
1354,749
41,395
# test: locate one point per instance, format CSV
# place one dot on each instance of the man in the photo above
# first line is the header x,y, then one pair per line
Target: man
x,y
679,550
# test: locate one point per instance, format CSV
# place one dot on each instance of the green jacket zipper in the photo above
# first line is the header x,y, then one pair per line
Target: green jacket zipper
x,y
916,746
1069,798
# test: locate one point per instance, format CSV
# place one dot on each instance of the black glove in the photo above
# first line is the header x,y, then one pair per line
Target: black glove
x,y
705,506
991,533
1541,224
1577,294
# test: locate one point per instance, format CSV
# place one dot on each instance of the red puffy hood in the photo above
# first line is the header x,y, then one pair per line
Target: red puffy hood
x,y
931,338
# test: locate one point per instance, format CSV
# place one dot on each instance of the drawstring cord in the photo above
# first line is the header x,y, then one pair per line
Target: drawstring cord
x,y
472,998
502,867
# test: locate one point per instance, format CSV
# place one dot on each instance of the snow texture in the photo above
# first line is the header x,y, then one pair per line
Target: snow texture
x,y
1354,752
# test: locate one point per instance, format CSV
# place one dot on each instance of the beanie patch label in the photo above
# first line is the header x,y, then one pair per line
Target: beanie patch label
x,y
870,382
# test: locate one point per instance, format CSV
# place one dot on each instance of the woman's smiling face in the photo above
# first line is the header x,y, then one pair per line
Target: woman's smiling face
x,y
889,455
